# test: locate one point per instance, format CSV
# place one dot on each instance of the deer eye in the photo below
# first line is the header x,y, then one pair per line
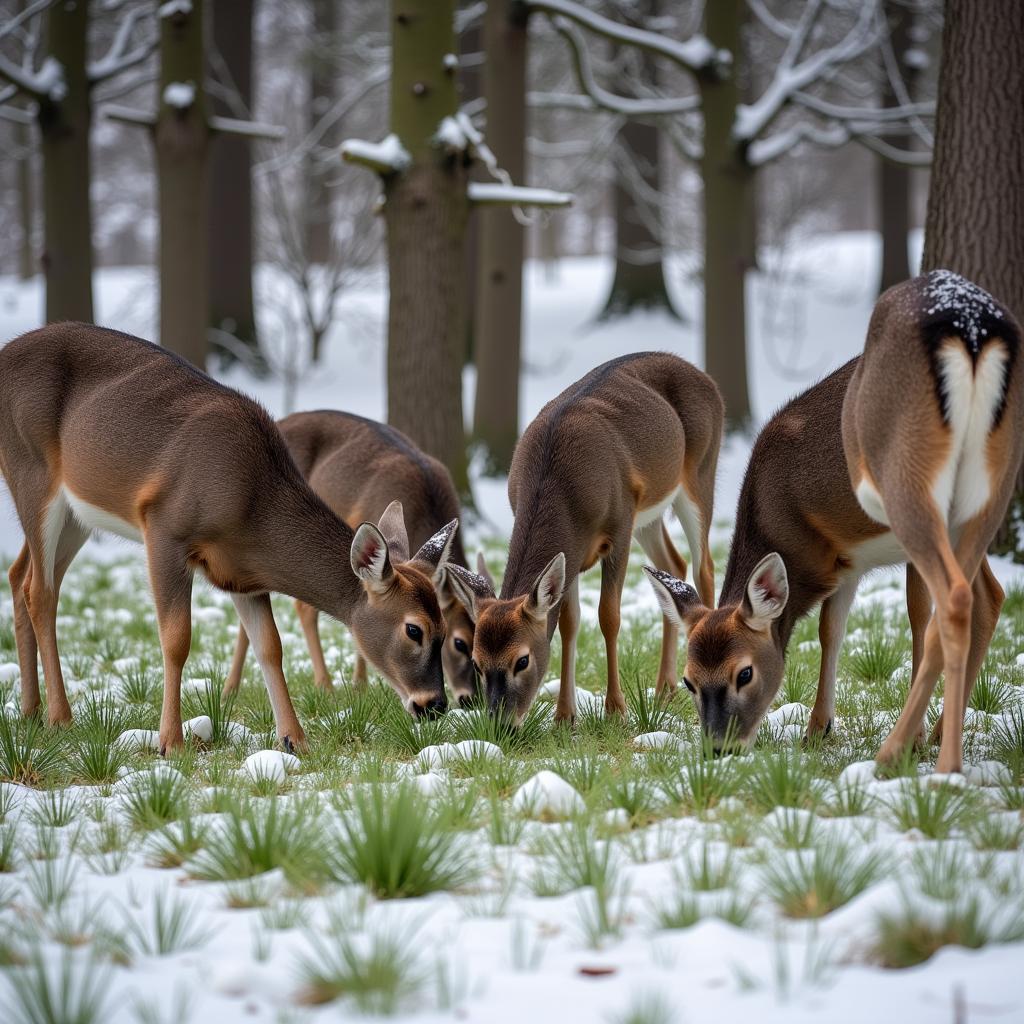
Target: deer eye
x,y
413,632
745,676
521,664
689,685
460,645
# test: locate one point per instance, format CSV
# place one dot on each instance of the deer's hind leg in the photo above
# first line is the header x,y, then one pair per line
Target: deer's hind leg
x,y
309,619
19,575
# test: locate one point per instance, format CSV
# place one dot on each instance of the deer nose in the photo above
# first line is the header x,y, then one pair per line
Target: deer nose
x,y
431,708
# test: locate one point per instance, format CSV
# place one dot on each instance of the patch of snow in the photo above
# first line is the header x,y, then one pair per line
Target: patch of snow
x,y
477,749
659,740
180,95
9,671
272,765
139,739
201,727
970,308
495,192
387,155
547,795
172,7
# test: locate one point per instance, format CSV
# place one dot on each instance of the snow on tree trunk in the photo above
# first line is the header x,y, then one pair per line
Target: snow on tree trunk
x,y
426,210
230,235
639,281
728,180
64,139
498,327
893,178
975,220
182,147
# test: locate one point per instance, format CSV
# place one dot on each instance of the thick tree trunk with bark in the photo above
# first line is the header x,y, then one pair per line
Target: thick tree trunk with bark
x,y
500,275
975,220
182,148
728,181
894,179
323,87
426,210
64,139
231,206
471,44
639,281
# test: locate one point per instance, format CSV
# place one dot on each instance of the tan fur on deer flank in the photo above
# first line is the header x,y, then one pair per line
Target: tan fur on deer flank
x,y
599,465
358,467
102,430
905,455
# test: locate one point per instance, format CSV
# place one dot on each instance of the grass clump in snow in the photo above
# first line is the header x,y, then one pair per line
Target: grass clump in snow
x,y
73,991
934,810
29,752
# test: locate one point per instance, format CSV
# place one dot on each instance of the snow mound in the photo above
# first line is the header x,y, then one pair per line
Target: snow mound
x,y
271,765
547,795
659,740
139,739
9,671
478,749
858,773
788,714
180,95
429,783
201,727
987,773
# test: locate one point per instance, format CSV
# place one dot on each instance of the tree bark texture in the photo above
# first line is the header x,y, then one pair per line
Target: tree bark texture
x,y
323,87
639,281
499,285
26,205
182,149
231,207
64,140
728,180
893,180
426,210
471,43
975,219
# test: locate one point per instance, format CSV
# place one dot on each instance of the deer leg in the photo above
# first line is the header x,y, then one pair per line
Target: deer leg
x,y
359,671
24,634
309,618
658,547
234,679
696,522
831,629
613,576
171,581
919,612
568,630
258,619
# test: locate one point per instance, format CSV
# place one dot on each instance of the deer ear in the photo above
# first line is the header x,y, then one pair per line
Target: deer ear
x,y
472,590
437,550
547,590
370,558
767,593
679,602
483,571
392,525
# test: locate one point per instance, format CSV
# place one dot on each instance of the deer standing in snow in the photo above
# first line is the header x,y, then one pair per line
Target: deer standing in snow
x,y
905,454
599,465
358,467
100,430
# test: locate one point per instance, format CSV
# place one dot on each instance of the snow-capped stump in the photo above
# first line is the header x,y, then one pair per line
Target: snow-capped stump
x,y
9,671
658,740
473,749
201,727
270,765
139,739
547,795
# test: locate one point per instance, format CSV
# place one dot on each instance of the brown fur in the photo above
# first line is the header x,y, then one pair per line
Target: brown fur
x,y
615,443
358,467
203,474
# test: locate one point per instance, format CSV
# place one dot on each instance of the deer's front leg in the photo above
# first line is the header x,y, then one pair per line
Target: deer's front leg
x,y
831,629
568,630
613,576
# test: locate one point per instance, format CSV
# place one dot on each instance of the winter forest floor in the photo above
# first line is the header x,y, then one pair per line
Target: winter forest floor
x,y
787,883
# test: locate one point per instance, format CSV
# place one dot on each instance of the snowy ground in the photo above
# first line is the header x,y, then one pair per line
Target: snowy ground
x,y
681,889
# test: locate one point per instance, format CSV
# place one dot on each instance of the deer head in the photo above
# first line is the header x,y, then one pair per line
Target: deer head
x,y
734,655
511,643
399,627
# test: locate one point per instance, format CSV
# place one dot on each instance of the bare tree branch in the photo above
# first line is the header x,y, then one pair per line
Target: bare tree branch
x,y
119,57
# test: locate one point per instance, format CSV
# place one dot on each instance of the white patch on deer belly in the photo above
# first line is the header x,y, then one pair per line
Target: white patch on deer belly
x,y
871,501
646,516
93,518
875,553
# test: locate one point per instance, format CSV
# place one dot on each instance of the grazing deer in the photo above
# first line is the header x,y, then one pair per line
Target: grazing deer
x,y
905,454
100,430
599,465
357,466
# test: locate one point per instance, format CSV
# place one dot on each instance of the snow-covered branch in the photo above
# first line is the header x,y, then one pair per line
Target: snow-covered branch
x,y
13,23
836,112
388,156
793,75
487,193
695,54
906,157
774,25
129,115
249,129
121,55
629,106
763,151
46,83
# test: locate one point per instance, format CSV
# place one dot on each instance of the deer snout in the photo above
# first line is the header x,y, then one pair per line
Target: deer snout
x,y
429,707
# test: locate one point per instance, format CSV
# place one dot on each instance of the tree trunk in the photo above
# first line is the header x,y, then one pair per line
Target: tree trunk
x,y
230,235
893,180
975,219
26,210
323,87
64,138
470,88
639,281
182,146
500,281
426,210
728,180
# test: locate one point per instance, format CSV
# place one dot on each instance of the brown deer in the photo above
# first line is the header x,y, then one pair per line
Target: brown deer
x,y
905,454
599,465
358,466
102,430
